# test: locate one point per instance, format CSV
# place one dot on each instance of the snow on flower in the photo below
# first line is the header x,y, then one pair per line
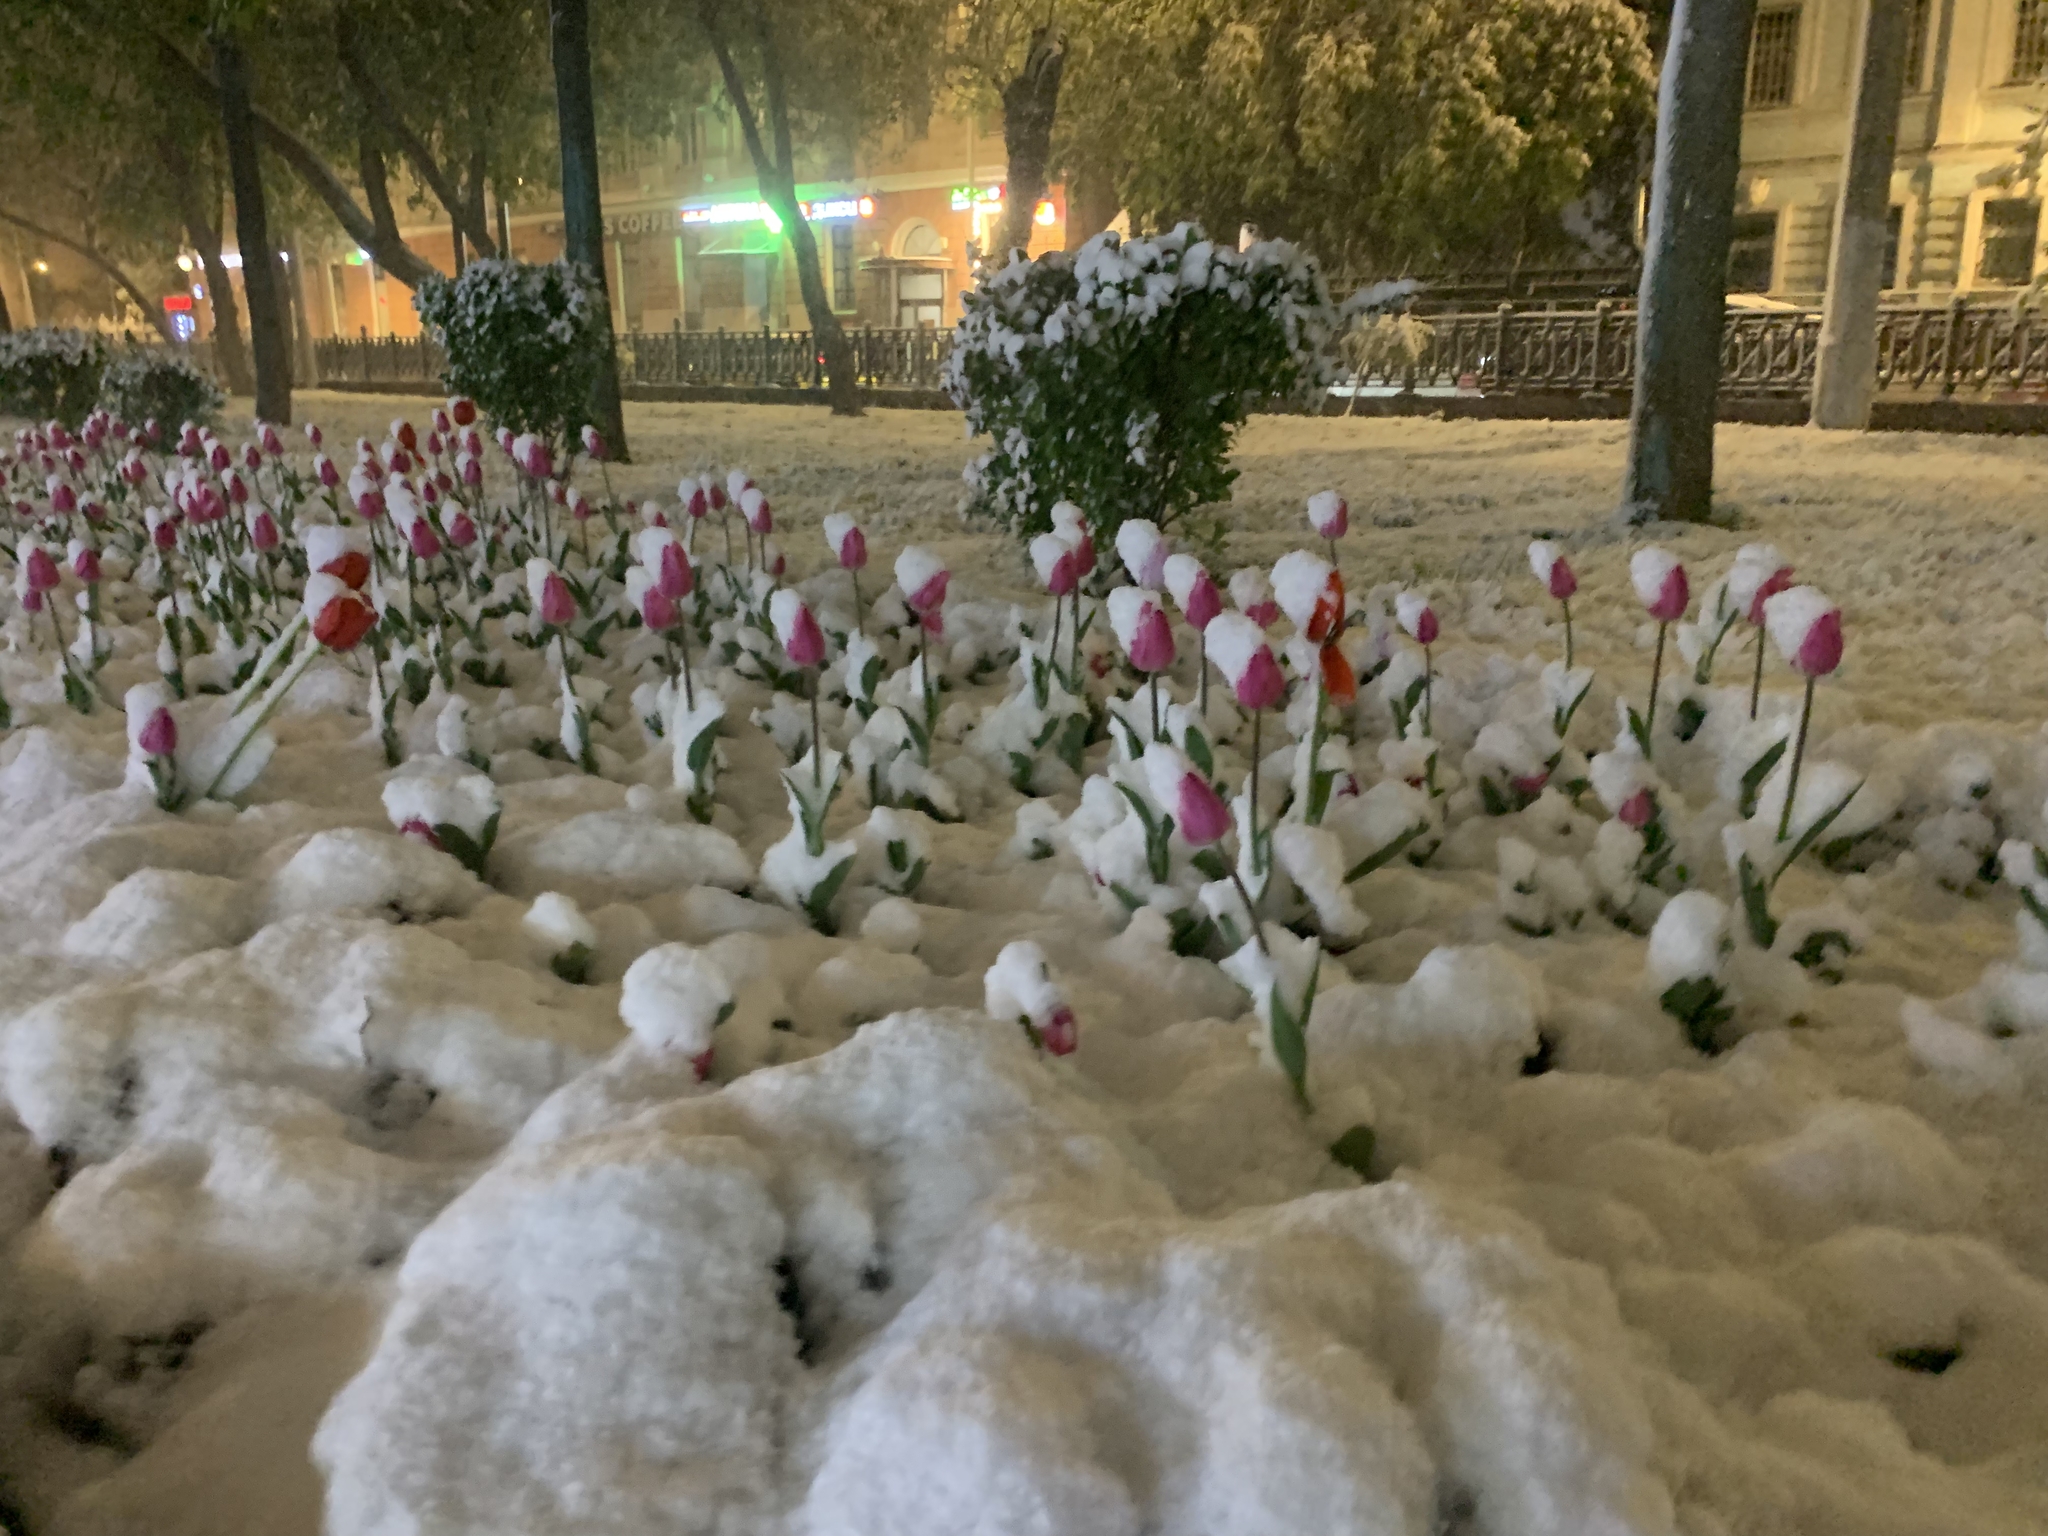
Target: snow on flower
x,y
1329,514
1020,985
849,545
1806,629
796,628
1193,589
1238,649
1141,628
1660,583
1551,568
922,576
1142,548
1415,615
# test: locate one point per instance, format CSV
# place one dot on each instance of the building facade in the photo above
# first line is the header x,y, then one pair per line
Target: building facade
x,y
690,245
1962,220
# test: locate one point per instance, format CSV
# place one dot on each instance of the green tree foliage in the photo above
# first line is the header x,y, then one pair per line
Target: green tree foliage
x,y
525,342
1402,132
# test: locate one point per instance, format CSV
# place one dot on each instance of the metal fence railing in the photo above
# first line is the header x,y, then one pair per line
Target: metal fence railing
x,y
1944,350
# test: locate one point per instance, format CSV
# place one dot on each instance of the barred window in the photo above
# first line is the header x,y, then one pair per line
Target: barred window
x,y
2005,254
1917,40
1774,55
2030,40
1894,230
1753,252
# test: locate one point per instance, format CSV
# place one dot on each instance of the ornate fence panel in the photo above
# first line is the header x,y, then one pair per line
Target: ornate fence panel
x,y
1931,351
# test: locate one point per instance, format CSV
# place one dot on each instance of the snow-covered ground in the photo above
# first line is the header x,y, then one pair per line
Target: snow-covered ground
x,y
327,1197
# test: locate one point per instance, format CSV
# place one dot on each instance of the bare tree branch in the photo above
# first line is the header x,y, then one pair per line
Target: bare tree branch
x,y
151,311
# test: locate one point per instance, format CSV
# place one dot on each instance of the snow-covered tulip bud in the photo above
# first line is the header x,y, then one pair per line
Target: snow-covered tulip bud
x,y
163,529
1807,630
461,410
594,444
796,629
1311,594
507,443
159,734
1414,614
366,495
737,483
1551,568
1198,811
272,444
188,442
1687,940
673,998
755,509
713,491
339,613
1253,595
84,561
531,454
461,531
325,472
1660,583
434,443
922,576
472,443
1193,589
218,458
695,498
1237,646
1053,558
1329,514
402,433
1019,988
343,553
1142,548
252,457
262,529
548,593
848,544
1637,809
313,433
1758,575
133,470
577,503
471,470
1141,628
237,488
37,568
667,562
444,424
95,511
430,492
420,535
63,500
771,558
656,608
1071,524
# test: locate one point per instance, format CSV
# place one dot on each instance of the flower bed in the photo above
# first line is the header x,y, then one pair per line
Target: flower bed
x,y
586,1027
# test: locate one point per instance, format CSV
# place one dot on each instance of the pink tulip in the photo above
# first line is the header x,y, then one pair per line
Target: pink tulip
x,y
462,410
471,469
444,424
1637,809
697,502
923,580
1056,562
1660,584
594,444
1551,568
1203,603
755,509
673,574
1807,630
557,607
252,457
421,536
1061,1033
95,511
848,544
461,531
369,503
85,564
219,458
313,434
1417,617
407,438
797,629
657,608
159,734
325,472
1199,811
63,500
434,443
39,568
263,531
1329,514
578,507
237,487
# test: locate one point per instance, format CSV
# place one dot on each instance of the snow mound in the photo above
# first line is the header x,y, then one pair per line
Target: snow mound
x,y
159,915
603,856
354,869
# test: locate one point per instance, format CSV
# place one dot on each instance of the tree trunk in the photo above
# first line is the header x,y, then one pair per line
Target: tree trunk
x,y
6,320
1845,369
271,353
1029,102
1092,205
230,356
777,175
302,319
1682,306
582,207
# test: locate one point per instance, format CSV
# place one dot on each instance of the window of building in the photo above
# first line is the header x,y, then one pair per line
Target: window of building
x,y
1774,56
2005,254
1753,253
2030,40
1894,228
843,298
1919,35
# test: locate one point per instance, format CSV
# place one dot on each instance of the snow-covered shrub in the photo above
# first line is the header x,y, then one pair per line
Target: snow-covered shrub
x,y
148,386
1115,376
523,341
50,375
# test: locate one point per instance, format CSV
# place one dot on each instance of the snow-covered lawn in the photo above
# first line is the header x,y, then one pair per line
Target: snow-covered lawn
x,y
328,1196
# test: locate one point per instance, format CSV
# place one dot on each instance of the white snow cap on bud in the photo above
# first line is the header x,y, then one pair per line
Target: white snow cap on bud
x,y
1298,582
1233,641
1047,551
1068,521
736,483
1754,565
1618,776
558,923
916,569
1127,607
325,543
436,791
538,571
1181,573
674,996
1249,588
1142,548
1328,514
1413,613
1659,580
1806,628
1020,986
1686,942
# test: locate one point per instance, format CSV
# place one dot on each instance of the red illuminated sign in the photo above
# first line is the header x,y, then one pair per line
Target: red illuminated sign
x,y
178,303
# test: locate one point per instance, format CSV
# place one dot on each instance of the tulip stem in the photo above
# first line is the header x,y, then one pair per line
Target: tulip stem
x,y
858,626
1798,754
1566,604
1152,687
817,732
1656,675
1428,693
271,701
689,687
1251,813
1251,912
1052,650
1074,666
1202,703
1756,682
